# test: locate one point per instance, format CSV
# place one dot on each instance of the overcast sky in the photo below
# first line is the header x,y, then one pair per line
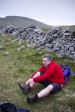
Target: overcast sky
x,y
51,12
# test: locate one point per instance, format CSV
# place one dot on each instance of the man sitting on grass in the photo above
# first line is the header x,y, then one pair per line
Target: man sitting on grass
x,y
50,75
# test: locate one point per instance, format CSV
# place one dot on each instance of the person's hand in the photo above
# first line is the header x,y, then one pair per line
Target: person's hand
x,y
29,81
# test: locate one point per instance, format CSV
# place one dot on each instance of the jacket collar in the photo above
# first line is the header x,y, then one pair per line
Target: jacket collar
x,y
50,64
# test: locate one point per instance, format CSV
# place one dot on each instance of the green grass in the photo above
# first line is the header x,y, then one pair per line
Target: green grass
x,y
46,29
18,66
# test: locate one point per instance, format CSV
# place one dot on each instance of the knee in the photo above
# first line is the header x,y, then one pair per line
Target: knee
x,y
49,88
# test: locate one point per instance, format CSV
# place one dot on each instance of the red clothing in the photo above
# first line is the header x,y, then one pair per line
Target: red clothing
x,y
53,73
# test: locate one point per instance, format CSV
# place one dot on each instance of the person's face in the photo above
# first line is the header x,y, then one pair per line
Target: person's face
x,y
45,62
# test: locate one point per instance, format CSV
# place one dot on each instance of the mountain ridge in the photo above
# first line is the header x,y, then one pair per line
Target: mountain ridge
x,y
22,22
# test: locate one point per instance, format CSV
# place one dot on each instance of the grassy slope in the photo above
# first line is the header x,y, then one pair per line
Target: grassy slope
x,y
18,66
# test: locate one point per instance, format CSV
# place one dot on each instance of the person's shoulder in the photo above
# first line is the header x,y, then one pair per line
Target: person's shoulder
x,y
53,64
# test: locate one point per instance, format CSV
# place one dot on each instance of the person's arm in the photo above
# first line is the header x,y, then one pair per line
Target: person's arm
x,y
36,74
47,74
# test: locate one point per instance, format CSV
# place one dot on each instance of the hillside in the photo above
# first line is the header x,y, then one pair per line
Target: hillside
x,y
16,66
21,22
59,40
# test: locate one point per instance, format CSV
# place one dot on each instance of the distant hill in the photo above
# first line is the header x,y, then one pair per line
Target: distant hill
x,y
21,22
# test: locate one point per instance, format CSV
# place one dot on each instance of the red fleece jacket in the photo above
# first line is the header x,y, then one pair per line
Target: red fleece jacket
x,y
53,73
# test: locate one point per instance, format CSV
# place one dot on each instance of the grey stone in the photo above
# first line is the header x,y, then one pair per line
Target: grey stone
x,y
38,49
61,54
58,40
71,48
38,30
22,47
20,41
2,47
28,45
6,53
15,33
19,49
13,41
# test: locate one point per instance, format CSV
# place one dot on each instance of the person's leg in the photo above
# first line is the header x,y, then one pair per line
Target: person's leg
x,y
26,89
45,91
41,94
50,89
32,83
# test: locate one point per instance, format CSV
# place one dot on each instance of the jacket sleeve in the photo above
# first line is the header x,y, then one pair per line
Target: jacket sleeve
x,y
47,74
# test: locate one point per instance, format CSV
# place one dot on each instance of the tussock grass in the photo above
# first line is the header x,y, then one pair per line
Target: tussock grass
x,y
18,66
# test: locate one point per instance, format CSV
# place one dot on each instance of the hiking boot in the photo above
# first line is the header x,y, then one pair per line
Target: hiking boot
x,y
32,99
26,89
